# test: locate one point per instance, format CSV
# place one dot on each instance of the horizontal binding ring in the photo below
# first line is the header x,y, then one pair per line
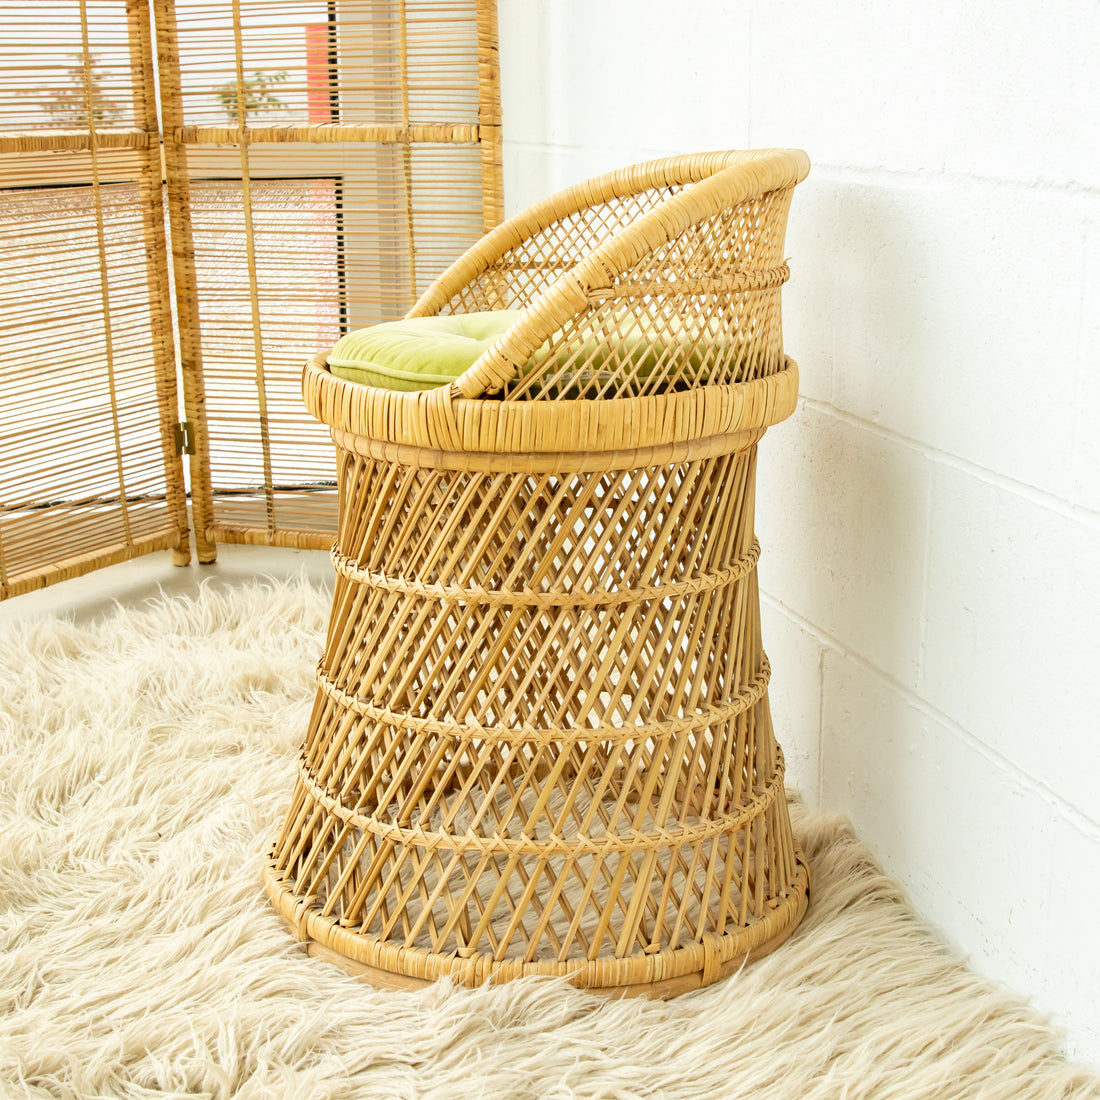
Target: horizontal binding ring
x,y
652,974
751,808
448,593
463,732
761,278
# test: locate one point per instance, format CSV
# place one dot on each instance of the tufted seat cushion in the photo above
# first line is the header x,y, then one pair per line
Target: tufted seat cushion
x,y
418,353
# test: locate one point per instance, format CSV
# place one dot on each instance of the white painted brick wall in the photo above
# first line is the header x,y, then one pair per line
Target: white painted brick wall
x,y
930,517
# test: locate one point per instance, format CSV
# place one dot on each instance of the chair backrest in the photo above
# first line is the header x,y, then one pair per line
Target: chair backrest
x,y
660,277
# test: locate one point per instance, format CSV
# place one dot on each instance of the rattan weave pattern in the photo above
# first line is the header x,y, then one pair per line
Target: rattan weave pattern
x,y
541,740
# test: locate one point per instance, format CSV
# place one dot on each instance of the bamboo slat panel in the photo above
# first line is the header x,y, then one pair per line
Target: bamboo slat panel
x,y
88,471
326,162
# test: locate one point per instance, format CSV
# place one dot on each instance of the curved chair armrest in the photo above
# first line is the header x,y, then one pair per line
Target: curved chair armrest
x,y
719,182
557,211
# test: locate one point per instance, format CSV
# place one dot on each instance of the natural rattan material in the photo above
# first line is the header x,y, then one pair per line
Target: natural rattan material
x,y
375,164
318,163
89,474
541,741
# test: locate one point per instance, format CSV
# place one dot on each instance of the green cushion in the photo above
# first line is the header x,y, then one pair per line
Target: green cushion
x,y
425,352
419,353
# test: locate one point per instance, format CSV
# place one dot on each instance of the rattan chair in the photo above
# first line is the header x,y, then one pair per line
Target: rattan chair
x,y
541,741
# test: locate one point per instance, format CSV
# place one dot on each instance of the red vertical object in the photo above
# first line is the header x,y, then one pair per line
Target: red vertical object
x,y
318,73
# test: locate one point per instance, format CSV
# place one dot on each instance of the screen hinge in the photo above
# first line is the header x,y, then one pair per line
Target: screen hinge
x,y
184,433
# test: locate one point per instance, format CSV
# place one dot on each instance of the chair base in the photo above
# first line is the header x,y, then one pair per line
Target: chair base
x,y
667,973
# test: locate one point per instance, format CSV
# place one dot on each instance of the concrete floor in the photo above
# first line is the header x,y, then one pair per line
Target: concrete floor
x,y
135,582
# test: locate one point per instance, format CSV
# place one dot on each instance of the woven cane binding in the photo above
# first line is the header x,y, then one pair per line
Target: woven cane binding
x,y
541,740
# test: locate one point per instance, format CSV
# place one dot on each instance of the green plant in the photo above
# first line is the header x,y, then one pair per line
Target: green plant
x,y
68,105
254,91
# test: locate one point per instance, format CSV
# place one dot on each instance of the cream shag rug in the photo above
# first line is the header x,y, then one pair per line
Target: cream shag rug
x,y
144,762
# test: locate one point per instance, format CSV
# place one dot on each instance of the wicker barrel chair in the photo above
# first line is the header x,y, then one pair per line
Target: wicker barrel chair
x,y
541,741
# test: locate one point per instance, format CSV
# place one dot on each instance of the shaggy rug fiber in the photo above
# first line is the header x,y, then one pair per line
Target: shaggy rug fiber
x,y
145,760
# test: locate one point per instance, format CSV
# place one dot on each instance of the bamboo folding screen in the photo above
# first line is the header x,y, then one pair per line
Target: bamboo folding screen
x,y
196,197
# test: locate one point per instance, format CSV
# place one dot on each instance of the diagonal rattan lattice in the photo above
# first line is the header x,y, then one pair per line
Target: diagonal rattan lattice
x,y
541,740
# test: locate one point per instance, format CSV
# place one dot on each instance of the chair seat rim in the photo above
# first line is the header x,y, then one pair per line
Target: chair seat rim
x,y
436,420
